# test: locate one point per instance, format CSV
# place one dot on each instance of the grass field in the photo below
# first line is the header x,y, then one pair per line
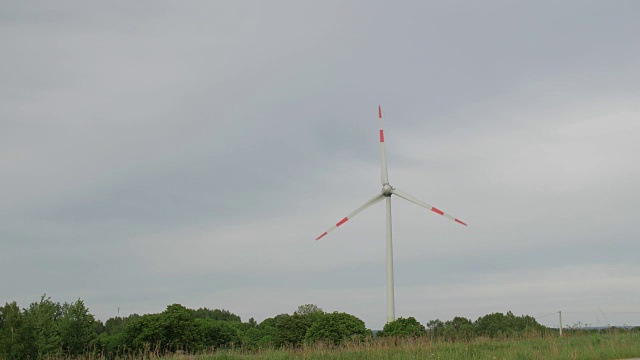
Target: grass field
x,y
621,345
577,345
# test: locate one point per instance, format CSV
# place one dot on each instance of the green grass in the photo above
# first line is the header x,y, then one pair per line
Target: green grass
x,y
577,346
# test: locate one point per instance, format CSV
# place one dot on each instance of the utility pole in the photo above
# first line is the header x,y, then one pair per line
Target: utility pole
x,y
560,316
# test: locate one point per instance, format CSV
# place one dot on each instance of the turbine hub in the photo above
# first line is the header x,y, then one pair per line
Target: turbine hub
x,y
386,190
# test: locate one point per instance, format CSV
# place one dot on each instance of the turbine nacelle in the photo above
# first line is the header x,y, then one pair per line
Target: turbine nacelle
x,y
387,190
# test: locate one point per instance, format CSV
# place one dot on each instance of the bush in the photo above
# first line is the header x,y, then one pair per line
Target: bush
x,y
498,324
403,327
336,327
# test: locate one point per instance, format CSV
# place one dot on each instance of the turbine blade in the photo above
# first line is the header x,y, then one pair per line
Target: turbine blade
x,y
408,197
357,211
383,154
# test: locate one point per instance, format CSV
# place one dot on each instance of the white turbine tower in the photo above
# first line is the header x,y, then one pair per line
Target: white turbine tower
x,y
387,191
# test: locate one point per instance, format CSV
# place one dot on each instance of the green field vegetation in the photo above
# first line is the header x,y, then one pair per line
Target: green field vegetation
x,y
50,330
585,345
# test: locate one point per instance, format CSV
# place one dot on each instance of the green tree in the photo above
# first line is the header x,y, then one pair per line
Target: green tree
x,y
76,327
113,325
180,328
42,318
403,327
492,325
498,324
308,309
262,336
291,329
436,328
146,330
336,327
115,340
218,333
12,334
252,337
459,328
216,314
174,329
252,323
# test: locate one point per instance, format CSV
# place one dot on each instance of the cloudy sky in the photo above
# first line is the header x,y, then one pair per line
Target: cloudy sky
x,y
190,152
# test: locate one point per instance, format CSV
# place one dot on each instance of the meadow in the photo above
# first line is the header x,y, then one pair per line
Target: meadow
x,y
575,345
579,345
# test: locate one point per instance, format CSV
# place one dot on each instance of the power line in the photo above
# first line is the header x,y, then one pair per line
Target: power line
x,y
542,316
595,312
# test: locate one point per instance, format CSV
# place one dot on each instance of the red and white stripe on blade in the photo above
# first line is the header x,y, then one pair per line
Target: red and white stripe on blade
x,y
408,197
357,211
384,176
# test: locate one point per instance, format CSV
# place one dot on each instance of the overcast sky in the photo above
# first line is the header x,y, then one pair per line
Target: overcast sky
x,y
190,152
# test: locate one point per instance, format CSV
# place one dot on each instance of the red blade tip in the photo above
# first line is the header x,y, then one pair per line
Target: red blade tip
x,y
379,112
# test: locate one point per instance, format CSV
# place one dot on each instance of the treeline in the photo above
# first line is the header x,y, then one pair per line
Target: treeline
x,y
48,328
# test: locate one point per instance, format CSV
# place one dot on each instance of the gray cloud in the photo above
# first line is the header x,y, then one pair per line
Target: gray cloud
x,y
153,153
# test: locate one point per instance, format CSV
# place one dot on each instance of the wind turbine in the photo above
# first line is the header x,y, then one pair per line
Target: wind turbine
x,y
385,193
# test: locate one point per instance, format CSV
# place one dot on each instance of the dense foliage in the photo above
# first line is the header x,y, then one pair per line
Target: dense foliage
x,y
46,327
492,325
403,327
336,327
